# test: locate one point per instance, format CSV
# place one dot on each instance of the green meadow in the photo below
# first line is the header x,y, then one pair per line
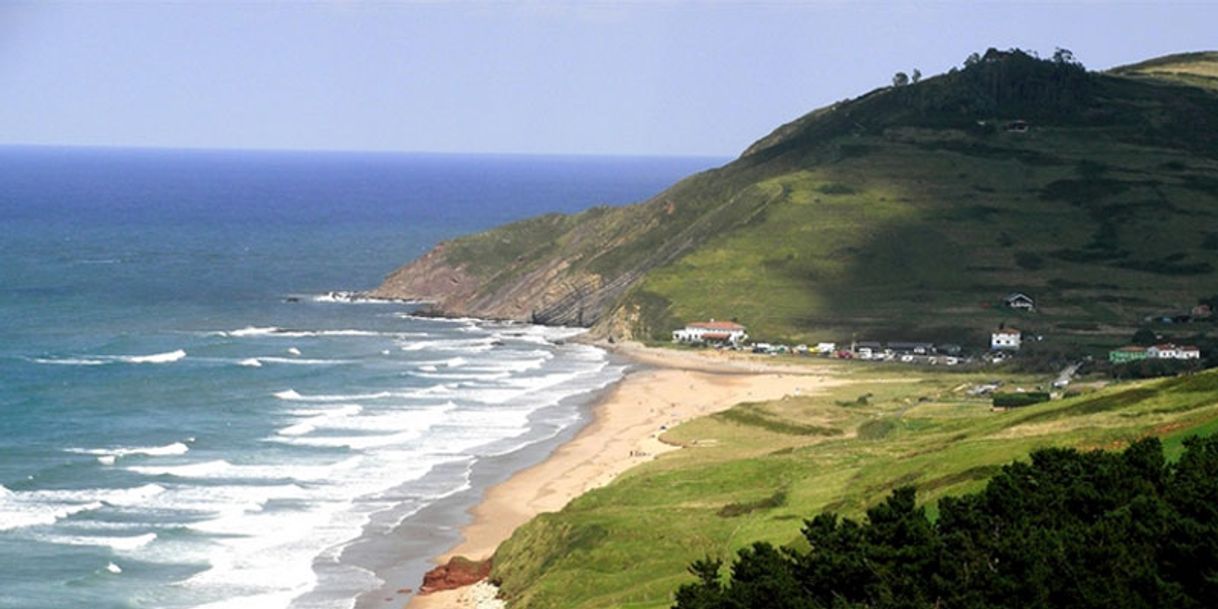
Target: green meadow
x,y
755,472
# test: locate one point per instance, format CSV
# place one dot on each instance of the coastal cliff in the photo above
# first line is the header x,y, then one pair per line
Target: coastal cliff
x,y
911,209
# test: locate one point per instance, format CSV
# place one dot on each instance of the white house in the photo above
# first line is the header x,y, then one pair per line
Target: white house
x,y
1173,351
1019,300
711,332
1005,339
826,348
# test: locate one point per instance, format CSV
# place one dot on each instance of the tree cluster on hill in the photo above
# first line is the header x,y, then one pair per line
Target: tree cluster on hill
x,y
1065,530
1012,83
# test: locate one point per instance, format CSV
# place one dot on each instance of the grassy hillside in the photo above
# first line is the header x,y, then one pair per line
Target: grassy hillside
x,y
905,213
1193,69
755,472
914,222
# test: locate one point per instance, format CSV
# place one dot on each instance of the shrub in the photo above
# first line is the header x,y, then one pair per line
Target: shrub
x,y
1016,399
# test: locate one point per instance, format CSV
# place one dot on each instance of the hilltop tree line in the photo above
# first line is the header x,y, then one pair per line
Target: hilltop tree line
x,y
1003,83
1065,530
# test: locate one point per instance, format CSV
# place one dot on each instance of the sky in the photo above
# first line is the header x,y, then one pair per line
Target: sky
x,y
536,77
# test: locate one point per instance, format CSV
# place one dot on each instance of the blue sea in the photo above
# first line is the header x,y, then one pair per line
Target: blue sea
x,y
188,417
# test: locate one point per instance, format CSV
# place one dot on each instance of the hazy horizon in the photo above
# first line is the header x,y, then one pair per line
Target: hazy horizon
x,y
552,78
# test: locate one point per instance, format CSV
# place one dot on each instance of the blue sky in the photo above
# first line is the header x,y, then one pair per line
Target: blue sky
x,y
669,78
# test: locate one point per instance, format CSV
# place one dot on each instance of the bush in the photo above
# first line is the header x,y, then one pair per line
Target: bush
x,y
1154,368
1016,399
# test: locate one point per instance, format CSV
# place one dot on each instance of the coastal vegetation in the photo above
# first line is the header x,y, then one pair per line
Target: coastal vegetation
x,y
753,474
1066,529
908,211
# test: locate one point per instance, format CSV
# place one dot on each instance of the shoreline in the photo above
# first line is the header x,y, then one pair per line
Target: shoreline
x,y
658,391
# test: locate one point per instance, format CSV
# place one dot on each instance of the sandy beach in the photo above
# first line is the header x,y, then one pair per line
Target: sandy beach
x,y
668,388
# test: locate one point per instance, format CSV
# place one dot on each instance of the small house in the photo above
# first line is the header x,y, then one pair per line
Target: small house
x,y
724,332
1124,355
1172,351
1005,339
826,348
1020,301
869,350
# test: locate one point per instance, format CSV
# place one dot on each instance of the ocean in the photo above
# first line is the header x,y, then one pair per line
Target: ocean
x,y
188,417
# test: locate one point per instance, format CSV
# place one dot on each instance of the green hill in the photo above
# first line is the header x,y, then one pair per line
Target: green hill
x,y
908,212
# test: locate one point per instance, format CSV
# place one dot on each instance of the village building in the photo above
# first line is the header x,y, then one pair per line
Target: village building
x,y
1124,355
1020,301
1005,339
1135,353
723,332
914,348
1173,351
869,350
826,348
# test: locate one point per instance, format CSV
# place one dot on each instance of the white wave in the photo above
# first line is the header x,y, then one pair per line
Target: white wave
x,y
99,360
345,410
428,368
319,417
205,469
221,469
176,448
106,459
361,442
298,429
507,366
440,389
132,496
465,345
524,337
293,350
19,510
71,361
292,395
251,362
121,543
303,362
473,376
413,418
250,331
219,500
277,332
113,568
345,297
373,431
156,358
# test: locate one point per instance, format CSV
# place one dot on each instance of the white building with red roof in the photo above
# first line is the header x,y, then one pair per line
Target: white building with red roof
x,y
711,332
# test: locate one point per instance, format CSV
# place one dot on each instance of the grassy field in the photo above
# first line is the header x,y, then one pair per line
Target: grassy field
x,y
756,471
